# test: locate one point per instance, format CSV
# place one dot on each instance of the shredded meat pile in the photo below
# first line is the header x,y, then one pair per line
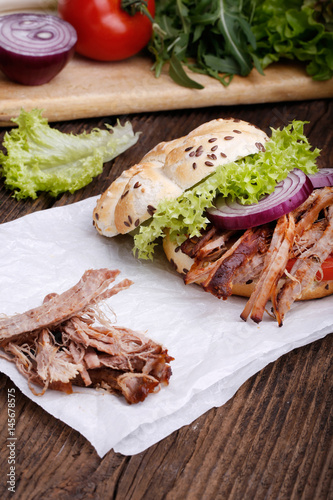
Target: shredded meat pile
x,y
68,341
223,259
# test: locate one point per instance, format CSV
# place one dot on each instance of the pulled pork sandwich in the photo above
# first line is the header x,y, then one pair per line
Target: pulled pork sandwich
x,y
238,212
67,341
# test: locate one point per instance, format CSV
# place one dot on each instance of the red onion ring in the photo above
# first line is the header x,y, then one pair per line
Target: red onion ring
x,y
34,48
322,178
288,195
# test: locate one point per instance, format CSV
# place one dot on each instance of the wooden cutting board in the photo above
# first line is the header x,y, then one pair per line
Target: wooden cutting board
x,y
87,89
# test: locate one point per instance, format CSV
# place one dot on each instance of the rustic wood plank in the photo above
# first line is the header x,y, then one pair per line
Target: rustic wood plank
x,y
273,439
86,88
256,436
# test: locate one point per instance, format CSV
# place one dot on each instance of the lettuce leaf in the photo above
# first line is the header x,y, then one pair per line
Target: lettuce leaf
x,y
41,158
247,179
296,30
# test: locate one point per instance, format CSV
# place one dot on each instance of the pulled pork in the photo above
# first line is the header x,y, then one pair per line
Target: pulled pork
x,y
68,341
223,259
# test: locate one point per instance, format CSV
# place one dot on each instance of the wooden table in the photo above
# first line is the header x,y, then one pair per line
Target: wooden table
x,y
273,439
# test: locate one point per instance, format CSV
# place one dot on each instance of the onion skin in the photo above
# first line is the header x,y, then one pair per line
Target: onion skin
x,y
288,195
324,177
30,59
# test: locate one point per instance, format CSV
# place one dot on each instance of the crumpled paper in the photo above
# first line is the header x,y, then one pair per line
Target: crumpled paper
x,y
214,350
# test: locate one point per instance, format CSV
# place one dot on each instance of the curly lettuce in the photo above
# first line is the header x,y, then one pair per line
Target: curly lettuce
x,y
247,179
41,158
296,30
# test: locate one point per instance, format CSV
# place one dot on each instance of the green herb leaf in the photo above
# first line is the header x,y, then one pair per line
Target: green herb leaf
x,y
177,73
229,27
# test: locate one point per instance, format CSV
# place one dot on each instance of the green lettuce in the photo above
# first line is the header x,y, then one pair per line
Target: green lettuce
x,y
247,179
297,30
41,158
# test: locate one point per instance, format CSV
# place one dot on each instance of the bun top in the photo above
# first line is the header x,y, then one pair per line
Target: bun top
x,y
170,168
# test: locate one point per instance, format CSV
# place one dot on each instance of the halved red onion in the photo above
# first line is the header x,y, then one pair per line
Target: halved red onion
x,y
34,48
288,195
322,178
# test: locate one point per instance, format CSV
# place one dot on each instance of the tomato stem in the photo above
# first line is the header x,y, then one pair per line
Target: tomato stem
x,y
132,7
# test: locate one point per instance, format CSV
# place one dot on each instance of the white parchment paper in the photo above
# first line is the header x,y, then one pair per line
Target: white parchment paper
x,y
214,350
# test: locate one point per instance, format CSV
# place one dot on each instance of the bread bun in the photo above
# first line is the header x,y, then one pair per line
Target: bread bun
x,y
170,168
183,263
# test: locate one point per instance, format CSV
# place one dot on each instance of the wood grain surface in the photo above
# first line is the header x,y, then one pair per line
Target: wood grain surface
x,y
88,88
272,440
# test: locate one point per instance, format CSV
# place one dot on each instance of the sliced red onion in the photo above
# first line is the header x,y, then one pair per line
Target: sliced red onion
x,y
322,178
288,195
34,48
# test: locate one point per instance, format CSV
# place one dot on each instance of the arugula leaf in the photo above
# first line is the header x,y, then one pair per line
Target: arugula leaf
x,y
229,24
247,180
41,158
198,33
177,73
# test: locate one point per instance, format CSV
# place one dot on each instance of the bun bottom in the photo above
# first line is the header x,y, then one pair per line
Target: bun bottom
x,y
317,290
183,263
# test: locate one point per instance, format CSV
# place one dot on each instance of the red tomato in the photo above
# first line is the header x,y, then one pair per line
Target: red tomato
x,y
326,266
105,31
